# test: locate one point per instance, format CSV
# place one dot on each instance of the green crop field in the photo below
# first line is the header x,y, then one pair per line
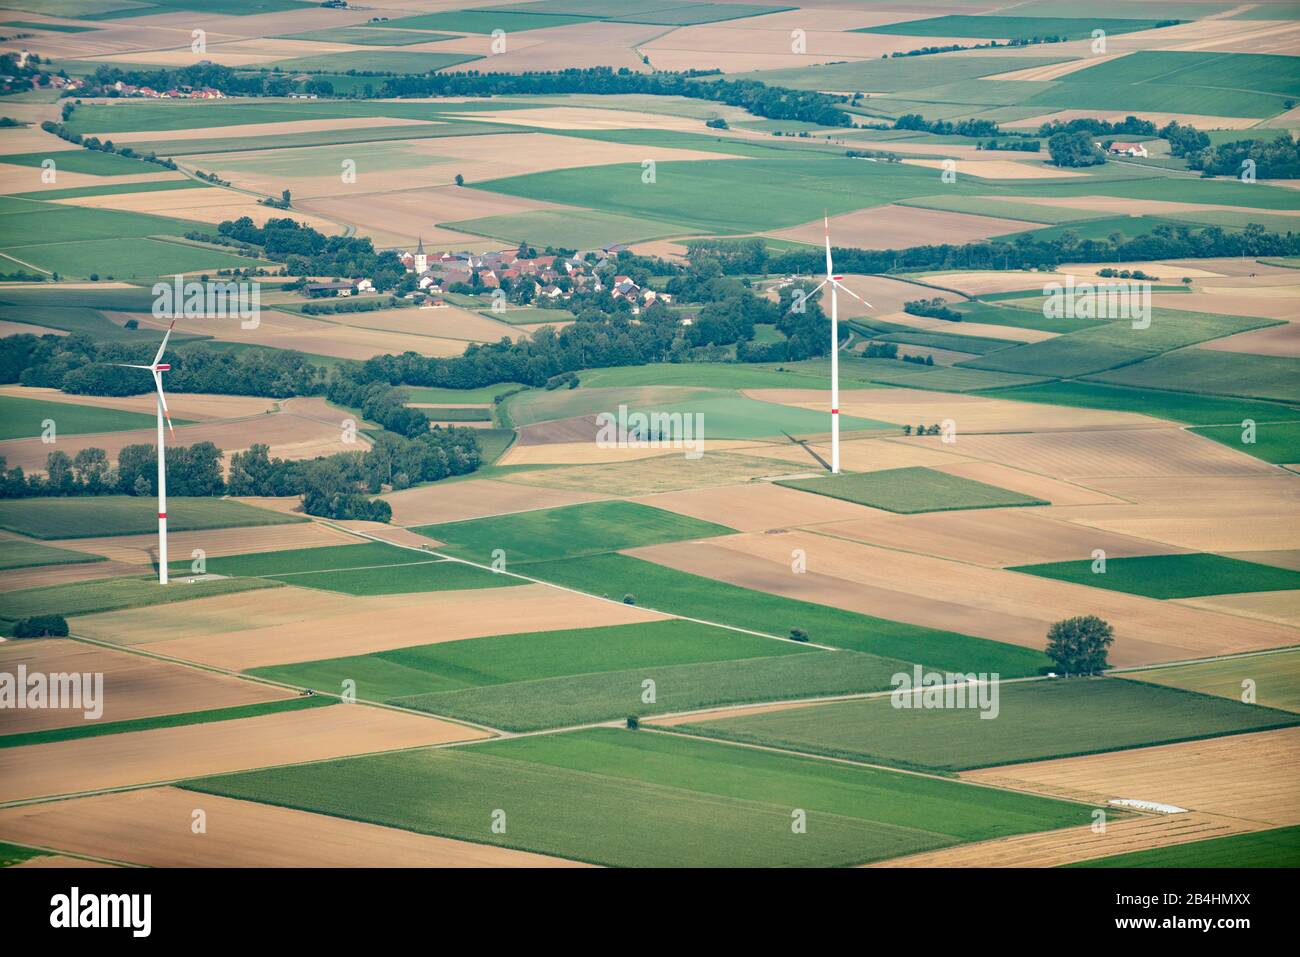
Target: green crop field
x,y
680,593
98,728
1275,678
1215,373
20,554
1279,847
715,375
1174,406
463,396
485,21
113,189
895,373
583,699
567,229
911,490
1035,721
503,659
306,561
1010,28
1276,442
94,516
111,594
23,418
737,196
893,75
567,532
399,579
694,803
1172,576
378,61
82,161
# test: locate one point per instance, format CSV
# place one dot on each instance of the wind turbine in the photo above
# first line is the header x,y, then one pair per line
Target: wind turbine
x,y
158,368
835,285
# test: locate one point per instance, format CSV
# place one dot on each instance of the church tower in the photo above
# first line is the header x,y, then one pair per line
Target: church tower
x,y
421,259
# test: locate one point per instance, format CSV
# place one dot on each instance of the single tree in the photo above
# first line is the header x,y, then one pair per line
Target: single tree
x,y
1079,645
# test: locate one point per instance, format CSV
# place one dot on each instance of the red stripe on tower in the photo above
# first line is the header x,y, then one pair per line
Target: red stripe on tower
x,y
835,411
162,514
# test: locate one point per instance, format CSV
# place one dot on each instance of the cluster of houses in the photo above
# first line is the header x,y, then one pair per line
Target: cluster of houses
x,y
175,93
1125,149
553,277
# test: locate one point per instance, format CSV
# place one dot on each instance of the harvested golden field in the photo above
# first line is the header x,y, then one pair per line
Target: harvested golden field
x,y
990,603
8,328
1242,776
1279,606
220,747
402,216
759,506
40,576
1067,845
291,434
1273,341
1108,453
135,686
444,322
195,406
143,549
898,227
204,205
979,283
666,473
972,413
992,538
1125,206
1054,71
1052,490
141,827
283,330
474,498
362,625
27,179
983,329
861,455
586,44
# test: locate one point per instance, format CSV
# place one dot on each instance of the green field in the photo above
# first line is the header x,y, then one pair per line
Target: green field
x,y
463,396
113,189
399,579
1279,847
378,61
1276,442
83,161
712,375
306,561
724,414
1215,373
609,696
1276,678
1174,406
111,594
680,593
1010,28
893,75
23,418
566,229
19,554
94,516
99,728
568,532
728,196
454,414
1172,576
912,490
907,374
485,21
694,803
1035,721
504,659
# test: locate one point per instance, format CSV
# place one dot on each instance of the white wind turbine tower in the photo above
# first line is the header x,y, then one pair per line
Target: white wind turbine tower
x,y
835,285
158,368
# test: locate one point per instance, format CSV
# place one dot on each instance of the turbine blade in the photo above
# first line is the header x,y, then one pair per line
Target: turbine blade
x,y
841,286
162,399
830,270
127,365
158,358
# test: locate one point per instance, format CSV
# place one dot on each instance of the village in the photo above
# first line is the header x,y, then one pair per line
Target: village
x,y
523,276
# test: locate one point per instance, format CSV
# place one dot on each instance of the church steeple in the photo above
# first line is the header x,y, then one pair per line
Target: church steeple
x,y
421,260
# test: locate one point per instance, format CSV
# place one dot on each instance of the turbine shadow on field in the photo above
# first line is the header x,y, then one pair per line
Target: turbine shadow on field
x,y
803,444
